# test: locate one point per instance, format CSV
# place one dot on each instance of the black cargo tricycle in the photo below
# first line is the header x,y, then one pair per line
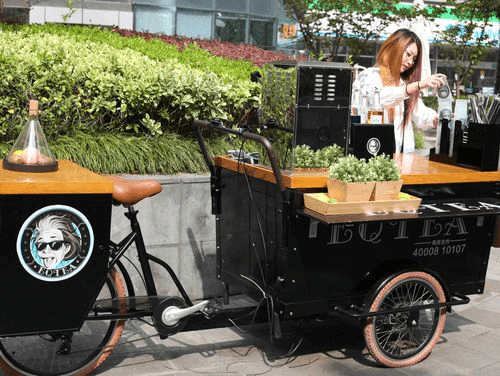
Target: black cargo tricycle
x,y
397,272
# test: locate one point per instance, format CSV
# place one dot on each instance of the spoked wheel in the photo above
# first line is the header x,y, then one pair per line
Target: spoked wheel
x,y
406,338
72,353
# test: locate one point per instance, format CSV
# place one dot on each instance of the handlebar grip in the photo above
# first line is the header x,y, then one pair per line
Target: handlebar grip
x,y
216,124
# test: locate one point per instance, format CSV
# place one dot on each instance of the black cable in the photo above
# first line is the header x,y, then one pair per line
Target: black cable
x,y
265,296
136,269
252,322
261,231
258,216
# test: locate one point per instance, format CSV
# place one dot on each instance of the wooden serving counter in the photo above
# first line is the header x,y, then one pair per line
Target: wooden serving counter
x,y
415,170
69,178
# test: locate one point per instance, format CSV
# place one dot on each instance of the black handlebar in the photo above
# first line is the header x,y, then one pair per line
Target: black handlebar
x,y
216,124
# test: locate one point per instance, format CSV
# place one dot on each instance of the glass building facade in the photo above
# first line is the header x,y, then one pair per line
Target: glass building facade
x,y
238,21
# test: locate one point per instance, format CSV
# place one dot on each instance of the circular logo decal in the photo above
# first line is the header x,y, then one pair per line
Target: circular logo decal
x,y
373,146
55,243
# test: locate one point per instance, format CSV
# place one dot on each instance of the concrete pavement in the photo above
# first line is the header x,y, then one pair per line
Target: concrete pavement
x,y
470,345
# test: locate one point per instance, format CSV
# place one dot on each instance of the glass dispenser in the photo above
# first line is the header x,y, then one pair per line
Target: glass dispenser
x,y
31,151
376,112
356,104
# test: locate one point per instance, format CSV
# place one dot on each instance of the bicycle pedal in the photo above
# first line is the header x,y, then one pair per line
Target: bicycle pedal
x,y
213,306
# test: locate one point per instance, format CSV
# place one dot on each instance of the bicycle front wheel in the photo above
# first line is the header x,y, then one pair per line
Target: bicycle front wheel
x,y
72,353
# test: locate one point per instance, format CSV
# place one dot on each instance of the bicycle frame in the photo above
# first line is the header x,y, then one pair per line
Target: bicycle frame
x,y
144,306
116,252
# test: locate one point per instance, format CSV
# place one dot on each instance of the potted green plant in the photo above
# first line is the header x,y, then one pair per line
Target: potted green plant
x,y
329,155
387,175
304,157
350,179
307,160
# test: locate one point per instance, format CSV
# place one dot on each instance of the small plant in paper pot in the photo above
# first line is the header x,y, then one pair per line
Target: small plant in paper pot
x,y
350,179
387,175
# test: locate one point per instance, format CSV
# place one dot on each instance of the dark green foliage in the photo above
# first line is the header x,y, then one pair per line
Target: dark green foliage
x,y
431,102
115,153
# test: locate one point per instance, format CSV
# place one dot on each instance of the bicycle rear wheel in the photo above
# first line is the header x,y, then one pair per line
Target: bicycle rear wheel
x,y
43,355
406,338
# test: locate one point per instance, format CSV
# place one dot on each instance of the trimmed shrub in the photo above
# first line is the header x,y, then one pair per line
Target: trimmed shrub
x,y
85,86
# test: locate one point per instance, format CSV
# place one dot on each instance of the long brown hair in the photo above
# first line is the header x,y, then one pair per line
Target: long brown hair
x,y
389,60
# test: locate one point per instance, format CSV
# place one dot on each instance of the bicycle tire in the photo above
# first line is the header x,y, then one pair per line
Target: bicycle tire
x,y
404,339
90,346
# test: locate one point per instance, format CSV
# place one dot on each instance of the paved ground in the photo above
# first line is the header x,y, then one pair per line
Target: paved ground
x,y
470,345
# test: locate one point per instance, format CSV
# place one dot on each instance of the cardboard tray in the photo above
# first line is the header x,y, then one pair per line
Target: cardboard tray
x,y
318,202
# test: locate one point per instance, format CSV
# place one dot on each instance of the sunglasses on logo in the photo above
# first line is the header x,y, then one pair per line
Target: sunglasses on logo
x,y
55,245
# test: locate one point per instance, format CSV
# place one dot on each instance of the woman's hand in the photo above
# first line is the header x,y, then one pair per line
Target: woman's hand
x,y
435,121
434,81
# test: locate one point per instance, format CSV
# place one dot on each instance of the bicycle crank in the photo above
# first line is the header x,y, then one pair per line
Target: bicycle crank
x,y
171,314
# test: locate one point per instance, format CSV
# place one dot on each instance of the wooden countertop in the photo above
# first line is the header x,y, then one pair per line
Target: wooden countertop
x,y
69,178
415,170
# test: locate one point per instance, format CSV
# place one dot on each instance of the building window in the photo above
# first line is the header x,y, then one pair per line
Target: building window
x,y
492,55
230,27
194,24
154,20
14,15
262,33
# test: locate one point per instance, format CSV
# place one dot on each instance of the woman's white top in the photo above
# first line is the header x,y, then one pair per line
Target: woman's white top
x,y
393,97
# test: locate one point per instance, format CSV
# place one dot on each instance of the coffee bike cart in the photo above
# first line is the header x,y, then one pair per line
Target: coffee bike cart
x,y
396,268
398,271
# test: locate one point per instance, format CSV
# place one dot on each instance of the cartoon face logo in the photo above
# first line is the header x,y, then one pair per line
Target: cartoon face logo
x,y
373,146
56,240
55,243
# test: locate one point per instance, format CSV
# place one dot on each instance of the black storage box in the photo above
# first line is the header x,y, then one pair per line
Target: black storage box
x,y
478,146
368,140
475,146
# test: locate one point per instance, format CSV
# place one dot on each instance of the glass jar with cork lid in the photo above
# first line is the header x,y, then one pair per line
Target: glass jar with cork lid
x,y
31,152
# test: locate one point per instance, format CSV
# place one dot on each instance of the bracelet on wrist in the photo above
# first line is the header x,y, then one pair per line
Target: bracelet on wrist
x,y
418,84
406,90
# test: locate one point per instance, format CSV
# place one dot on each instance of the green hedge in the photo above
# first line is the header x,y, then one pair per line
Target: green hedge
x,y
192,55
91,87
116,104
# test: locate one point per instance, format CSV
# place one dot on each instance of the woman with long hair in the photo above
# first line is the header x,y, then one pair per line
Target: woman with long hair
x,y
397,74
